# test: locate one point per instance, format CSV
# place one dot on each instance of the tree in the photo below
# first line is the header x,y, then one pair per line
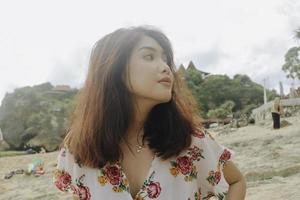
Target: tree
x,y
213,91
292,63
292,60
223,111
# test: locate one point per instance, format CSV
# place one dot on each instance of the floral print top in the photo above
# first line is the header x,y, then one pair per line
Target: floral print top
x,y
196,174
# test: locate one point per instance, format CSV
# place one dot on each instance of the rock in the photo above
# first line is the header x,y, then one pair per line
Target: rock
x,y
284,123
235,124
30,151
251,120
48,142
243,123
213,125
34,114
287,114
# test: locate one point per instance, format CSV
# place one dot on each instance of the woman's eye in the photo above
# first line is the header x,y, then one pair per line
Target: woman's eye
x,y
149,57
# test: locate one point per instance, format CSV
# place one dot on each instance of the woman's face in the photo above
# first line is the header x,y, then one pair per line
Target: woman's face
x,y
147,66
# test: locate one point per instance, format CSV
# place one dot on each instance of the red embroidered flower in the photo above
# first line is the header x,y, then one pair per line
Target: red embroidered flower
x,y
184,164
195,153
113,173
149,189
198,134
214,177
208,196
63,180
153,190
83,193
225,156
217,176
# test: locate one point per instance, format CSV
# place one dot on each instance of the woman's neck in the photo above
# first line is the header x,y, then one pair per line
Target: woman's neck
x,y
135,131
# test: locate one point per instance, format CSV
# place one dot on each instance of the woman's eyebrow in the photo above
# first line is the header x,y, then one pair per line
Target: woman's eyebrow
x,y
149,48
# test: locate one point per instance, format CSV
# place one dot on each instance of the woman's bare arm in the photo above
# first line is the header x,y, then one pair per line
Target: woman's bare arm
x,y
236,181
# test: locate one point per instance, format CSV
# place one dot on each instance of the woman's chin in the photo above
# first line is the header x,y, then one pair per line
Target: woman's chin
x,y
165,99
162,98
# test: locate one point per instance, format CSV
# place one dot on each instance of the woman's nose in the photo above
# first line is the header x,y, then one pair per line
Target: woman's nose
x,y
166,68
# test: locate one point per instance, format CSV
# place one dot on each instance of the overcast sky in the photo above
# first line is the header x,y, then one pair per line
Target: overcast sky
x,y
44,41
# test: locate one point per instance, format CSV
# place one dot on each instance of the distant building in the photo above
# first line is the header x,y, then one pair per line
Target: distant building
x,y
181,70
62,88
59,89
294,93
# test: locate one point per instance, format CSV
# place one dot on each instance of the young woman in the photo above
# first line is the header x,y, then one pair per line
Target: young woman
x,y
135,133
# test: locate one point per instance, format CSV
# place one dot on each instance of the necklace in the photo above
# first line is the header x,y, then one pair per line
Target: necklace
x,y
139,148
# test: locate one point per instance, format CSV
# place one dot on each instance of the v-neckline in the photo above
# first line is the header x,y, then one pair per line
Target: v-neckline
x,y
151,168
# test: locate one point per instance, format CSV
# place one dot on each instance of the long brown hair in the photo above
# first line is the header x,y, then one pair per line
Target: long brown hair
x,y
104,108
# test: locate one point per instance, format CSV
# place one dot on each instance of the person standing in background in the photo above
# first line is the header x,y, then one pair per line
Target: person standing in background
x,y
276,111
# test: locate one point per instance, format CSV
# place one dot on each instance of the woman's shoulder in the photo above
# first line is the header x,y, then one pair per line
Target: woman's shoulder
x,y
212,150
64,162
203,162
205,150
65,155
201,136
71,177
211,157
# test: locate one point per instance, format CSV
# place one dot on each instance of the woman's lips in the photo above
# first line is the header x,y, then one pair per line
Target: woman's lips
x,y
167,83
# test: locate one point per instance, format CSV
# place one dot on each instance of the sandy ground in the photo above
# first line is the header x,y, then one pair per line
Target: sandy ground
x,y
270,161
23,187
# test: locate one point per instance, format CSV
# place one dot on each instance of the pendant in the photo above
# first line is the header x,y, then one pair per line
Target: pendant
x,y
138,148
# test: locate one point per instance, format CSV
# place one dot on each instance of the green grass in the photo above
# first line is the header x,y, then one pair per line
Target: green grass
x,y
11,153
